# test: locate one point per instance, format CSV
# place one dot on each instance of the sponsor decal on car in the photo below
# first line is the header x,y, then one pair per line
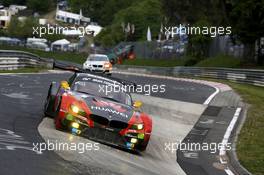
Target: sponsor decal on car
x,y
109,110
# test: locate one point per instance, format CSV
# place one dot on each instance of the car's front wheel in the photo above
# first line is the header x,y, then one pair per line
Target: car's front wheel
x,y
58,124
144,146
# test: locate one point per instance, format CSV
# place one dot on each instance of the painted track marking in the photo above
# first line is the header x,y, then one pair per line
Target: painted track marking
x,y
228,132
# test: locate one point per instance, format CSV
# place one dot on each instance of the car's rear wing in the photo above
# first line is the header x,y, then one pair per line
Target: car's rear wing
x,y
77,69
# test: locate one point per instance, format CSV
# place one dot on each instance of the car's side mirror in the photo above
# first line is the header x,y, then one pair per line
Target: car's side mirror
x,y
65,85
137,104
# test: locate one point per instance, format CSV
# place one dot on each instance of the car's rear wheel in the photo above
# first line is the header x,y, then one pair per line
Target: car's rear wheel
x,y
144,146
58,124
47,104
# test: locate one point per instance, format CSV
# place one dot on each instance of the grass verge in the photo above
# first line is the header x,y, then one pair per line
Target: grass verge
x,y
250,146
157,62
220,61
65,56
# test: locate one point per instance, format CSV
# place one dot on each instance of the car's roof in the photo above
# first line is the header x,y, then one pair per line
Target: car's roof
x,y
98,55
88,75
116,81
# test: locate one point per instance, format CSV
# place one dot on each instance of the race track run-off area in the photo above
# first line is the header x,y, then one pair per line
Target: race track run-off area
x,y
174,114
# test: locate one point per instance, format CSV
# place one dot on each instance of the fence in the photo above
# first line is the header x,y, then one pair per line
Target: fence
x,y
10,60
249,76
17,59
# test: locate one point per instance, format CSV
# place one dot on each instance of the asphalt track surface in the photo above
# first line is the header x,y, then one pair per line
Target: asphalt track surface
x,y
21,100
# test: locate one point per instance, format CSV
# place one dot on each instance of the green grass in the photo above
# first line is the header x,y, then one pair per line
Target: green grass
x,y
23,70
220,61
157,62
250,145
66,56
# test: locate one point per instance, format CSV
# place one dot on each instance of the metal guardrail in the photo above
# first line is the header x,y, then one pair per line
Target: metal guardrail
x,y
15,59
10,60
249,76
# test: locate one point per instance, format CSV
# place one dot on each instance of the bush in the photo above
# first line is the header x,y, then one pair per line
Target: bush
x,y
191,61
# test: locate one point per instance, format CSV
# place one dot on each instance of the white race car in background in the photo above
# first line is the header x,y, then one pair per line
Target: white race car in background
x,y
98,63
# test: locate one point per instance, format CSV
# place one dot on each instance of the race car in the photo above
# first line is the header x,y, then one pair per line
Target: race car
x,y
98,63
83,107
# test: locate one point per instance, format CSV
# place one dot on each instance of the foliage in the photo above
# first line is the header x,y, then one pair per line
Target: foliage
x,y
191,11
10,2
21,29
40,6
99,10
53,37
247,20
110,35
199,43
142,14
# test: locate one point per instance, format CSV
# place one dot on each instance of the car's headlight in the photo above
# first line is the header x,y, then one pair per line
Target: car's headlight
x,y
75,109
138,126
87,64
75,125
133,140
107,65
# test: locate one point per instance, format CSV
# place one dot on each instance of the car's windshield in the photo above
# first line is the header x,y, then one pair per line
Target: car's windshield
x,y
97,58
96,89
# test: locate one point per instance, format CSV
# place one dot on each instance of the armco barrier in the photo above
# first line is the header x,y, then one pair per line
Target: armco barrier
x,y
249,76
10,60
16,59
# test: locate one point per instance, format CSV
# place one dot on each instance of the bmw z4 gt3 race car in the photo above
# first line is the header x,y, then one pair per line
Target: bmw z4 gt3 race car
x,y
82,107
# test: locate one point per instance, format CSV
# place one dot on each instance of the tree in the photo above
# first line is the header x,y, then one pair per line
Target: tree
x,y
90,8
40,6
247,21
21,29
245,17
191,11
196,13
99,10
199,43
10,2
141,14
